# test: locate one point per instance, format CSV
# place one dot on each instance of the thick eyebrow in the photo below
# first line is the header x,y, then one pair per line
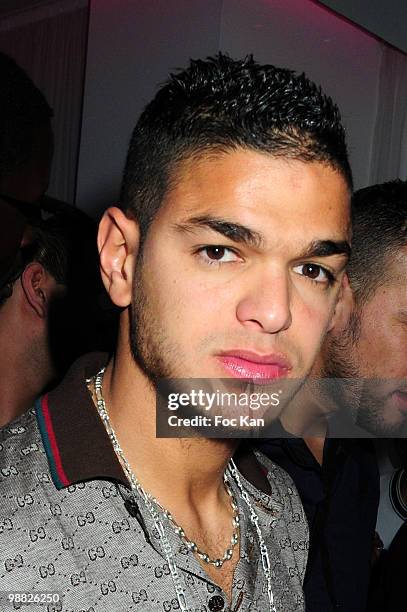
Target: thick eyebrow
x,y
327,248
240,233
233,231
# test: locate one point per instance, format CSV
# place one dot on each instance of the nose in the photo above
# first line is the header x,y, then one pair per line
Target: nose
x,y
267,306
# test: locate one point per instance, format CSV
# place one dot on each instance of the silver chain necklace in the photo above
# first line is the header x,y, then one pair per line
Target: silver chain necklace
x,y
151,504
192,546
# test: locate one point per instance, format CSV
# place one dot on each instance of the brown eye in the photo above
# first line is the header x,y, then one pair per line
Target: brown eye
x,y
215,252
217,255
311,270
315,273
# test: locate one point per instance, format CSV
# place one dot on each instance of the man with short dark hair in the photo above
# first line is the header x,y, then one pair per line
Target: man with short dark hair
x,y
228,261
41,335
373,344
44,326
338,478
33,276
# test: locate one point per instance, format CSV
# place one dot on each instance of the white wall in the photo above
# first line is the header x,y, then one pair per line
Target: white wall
x,y
301,35
132,46
385,18
134,43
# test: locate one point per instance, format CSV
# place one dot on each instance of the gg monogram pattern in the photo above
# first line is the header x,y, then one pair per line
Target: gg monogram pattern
x,y
93,543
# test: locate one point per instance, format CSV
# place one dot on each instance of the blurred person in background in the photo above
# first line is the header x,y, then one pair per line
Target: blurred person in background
x,y
57,248
49,311
373,346
338,478
32,274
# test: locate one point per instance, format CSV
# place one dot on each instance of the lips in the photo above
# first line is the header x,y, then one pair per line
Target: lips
x,y
254,366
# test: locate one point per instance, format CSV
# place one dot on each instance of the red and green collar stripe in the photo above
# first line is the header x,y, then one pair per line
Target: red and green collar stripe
x,y
50,443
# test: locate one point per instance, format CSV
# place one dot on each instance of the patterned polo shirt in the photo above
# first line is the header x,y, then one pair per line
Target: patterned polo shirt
x,y
70,524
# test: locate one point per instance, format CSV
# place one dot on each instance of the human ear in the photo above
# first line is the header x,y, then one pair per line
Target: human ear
x,y
343,308
118,244
34,284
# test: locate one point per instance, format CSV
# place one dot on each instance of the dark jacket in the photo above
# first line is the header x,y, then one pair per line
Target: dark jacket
x,y
340,499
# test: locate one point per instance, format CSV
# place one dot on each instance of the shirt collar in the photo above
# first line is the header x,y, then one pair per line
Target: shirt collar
x,y
75,439
77,444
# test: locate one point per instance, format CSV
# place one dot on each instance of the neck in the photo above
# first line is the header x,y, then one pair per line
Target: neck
x,y
19,384
25,367
316,447
307,413
180,473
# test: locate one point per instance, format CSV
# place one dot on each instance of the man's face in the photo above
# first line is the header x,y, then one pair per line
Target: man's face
x,y
241,269
379,353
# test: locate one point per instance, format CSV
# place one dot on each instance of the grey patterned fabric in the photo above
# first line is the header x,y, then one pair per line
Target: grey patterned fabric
x,y
93,543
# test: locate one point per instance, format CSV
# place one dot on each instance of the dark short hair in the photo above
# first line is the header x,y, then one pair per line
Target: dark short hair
x,y
221,104
65,245
47,246
23,108
379,218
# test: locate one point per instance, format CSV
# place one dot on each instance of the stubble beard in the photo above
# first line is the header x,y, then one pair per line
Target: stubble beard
x,y
340,368
371,418
151,349
356,394
157,356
